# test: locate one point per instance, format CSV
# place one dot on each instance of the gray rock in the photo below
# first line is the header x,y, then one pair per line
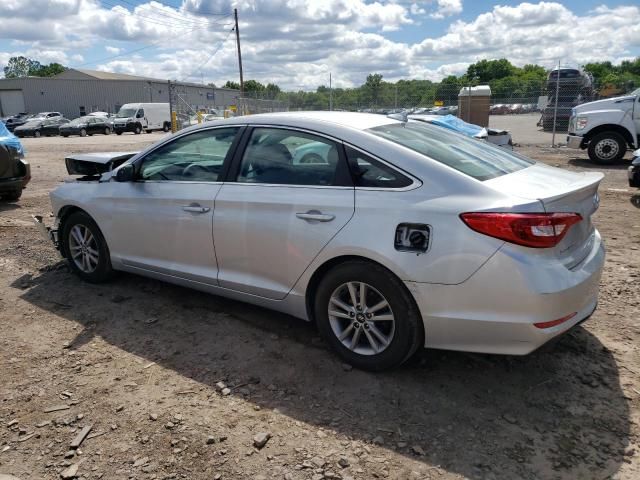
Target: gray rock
x,y
70,472
261,439
417,449
343,462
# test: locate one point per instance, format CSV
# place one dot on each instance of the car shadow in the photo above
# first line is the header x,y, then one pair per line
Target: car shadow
x,y
6,206
557,413
587,163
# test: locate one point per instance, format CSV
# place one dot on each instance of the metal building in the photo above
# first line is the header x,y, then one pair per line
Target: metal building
x,y
77,92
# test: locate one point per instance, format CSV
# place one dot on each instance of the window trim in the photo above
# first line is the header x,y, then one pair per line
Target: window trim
x,y
343,173
415,182
137,163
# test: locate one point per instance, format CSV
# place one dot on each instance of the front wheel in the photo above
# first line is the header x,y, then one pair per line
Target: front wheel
x,y
83,132
85,248
607,147
367,316
138,130
107,131
118,132
36,134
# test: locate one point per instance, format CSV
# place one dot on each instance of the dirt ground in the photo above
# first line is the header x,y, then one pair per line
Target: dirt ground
x,y
141,362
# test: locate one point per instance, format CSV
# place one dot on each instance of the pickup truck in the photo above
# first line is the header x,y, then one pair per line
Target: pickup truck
x,y
606,128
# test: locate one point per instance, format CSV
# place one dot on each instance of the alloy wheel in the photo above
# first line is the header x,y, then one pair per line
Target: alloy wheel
x,y
83,248
361,318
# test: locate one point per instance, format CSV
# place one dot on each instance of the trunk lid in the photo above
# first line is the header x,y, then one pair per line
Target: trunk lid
x,y
559,191
92,164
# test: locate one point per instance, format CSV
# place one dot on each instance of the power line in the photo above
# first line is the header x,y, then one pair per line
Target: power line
x,y
199,12
172,24
171,16
199,70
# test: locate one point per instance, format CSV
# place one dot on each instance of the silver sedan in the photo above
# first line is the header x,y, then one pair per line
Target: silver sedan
x,y
390,235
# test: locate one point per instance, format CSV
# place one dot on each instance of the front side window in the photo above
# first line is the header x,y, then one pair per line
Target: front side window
x,y
197,157
471,156
288,157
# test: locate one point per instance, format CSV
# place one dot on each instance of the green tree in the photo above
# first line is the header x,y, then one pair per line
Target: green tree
x,y
49,70
486,70
374,85
253,86
21,67
231,84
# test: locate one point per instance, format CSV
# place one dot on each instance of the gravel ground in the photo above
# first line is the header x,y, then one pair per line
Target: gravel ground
x,y
177,384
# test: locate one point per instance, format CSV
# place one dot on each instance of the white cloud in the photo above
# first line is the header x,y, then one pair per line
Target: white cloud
x,y
447,8
296,43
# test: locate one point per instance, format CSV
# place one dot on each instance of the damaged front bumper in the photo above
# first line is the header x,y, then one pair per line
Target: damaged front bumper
x,y
50,234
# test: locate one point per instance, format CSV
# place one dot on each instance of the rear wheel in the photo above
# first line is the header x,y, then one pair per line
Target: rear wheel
x,y
166,127
36,134
607,147
85,248
367,316
118,132
107,131
83,132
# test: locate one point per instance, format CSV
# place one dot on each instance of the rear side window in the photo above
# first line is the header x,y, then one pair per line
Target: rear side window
x,y
367,172
473,157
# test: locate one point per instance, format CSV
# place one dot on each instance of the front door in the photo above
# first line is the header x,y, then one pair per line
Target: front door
x,y
289,198
163,221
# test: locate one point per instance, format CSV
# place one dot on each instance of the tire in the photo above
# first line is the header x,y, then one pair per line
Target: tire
x,y
65,136
147,131
36,134
13,196
403,334
118,132
166,127
138,130
83,132
86,268
607,147
107,131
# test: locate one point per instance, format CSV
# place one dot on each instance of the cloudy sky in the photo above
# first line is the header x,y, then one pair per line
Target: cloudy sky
x,y
296,43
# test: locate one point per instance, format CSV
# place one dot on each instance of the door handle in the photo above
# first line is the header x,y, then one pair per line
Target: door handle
x,y
195,208
315,215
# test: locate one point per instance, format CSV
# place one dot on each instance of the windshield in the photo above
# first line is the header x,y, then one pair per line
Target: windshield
x,y
78,121
470,156
636,92
127,112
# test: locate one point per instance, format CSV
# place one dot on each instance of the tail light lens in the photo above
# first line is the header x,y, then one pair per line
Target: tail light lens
x,y
536,230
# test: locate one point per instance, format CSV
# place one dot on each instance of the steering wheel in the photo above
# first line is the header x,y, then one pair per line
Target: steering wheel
x,y
190,170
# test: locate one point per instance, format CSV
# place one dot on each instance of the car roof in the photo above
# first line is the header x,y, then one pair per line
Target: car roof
x,y
354,120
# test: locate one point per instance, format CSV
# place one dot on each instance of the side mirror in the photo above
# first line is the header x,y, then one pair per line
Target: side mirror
x,y
125,173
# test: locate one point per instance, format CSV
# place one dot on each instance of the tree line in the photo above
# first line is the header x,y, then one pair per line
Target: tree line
x,y
505,79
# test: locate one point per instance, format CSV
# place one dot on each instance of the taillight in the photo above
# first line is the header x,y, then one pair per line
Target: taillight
x,y
536,230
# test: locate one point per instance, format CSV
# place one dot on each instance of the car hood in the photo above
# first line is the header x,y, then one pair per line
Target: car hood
x,y
95,163
617,103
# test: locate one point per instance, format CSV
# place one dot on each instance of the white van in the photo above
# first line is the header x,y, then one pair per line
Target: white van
x,y
136,117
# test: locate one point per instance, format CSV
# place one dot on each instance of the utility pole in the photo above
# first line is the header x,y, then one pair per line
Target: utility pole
x,y
235,16
330,94
555,107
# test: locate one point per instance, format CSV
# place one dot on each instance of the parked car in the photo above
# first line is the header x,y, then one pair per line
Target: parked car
x,y
39,127
634,170
15,171
205,117
87,125
409,236
16,120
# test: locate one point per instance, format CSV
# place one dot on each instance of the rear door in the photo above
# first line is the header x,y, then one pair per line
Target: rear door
x,y
276,215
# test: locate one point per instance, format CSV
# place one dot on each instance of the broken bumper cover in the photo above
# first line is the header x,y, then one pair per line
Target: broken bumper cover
x,y
50,234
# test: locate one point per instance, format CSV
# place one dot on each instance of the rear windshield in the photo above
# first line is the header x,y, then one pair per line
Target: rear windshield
x,y
471,156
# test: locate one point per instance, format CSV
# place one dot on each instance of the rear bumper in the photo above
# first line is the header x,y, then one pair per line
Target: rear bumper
x,y
496,309
575,141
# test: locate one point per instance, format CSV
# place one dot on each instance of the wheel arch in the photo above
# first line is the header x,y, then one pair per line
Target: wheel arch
x,y
609,127
324,268
64,213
